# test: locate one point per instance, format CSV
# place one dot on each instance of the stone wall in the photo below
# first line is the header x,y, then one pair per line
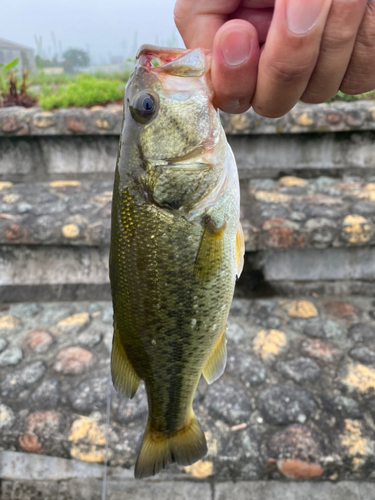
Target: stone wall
x,y
307,199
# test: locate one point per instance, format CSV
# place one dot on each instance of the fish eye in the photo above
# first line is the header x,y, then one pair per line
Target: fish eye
x,y
143,108
147,103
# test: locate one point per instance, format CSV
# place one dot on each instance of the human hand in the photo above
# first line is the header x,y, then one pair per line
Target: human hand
x,y
269,54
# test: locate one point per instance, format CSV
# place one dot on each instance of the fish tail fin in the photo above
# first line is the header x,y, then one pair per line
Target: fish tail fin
x,y
184,446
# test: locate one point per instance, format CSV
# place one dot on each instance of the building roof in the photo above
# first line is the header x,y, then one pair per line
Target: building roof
x,y
5,44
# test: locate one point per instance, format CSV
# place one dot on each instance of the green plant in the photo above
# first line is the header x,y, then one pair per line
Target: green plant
x,y
40,78
84,91
340,96
5,72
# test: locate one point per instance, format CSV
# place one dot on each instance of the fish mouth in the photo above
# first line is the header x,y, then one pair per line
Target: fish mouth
x,y
175,62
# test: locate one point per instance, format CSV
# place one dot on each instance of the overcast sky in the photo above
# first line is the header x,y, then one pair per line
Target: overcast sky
x,y
106,27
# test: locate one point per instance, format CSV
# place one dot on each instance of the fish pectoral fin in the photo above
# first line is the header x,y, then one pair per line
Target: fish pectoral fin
x,y
184,446
215,364
211,249
240,250
124,377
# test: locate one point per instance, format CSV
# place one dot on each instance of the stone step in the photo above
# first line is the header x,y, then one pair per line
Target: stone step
x,y
290,212
82,144
297,399
302,236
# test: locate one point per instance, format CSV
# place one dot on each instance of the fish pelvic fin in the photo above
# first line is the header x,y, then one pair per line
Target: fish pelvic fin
x,y
215,364
240,250
185,446
211,251
124,377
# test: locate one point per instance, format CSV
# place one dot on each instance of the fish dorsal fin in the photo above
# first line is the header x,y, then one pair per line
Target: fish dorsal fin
x,y
240,250
211,249
215,364
124,377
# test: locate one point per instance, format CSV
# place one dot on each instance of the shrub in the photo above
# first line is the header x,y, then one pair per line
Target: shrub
x,y
84,91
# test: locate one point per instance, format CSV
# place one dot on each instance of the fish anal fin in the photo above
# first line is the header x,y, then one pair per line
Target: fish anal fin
x,y
240,250
211,249
124,377
215,364
184,446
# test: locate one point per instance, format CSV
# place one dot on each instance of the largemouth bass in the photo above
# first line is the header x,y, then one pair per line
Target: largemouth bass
x,y
176,248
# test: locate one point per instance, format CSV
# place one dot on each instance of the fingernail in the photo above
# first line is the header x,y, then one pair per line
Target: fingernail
x,y
236,46
302,15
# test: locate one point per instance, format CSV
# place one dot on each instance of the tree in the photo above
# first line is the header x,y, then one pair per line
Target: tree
x,y
74,59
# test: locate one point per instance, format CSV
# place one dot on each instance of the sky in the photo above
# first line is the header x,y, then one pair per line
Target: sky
x,y
106,28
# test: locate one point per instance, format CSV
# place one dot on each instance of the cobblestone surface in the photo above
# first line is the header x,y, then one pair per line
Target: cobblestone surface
x,y
291,404
337,116
291,212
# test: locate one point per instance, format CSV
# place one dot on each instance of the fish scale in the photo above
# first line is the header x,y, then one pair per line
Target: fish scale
x,y
175,251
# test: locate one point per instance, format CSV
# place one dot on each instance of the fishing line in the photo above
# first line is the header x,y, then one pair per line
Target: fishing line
x,y
109,392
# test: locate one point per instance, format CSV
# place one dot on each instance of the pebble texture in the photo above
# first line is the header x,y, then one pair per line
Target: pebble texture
x,y
98,120
288,213
295,402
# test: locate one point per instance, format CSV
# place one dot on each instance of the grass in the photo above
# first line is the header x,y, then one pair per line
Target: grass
x,y
84,90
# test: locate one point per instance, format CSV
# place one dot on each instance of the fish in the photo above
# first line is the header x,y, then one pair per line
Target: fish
x,y
176,249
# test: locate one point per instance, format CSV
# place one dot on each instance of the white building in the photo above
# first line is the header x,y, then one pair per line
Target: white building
x,y
10,51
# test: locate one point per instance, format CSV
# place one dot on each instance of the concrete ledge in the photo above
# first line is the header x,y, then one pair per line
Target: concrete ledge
x,y
32,159
316,288
334,264
93,157
27,476
303,118
307,155
288,491
34,266
91,489
16,466
52,293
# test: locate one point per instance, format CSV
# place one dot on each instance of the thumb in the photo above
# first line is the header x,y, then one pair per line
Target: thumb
x,y
235,65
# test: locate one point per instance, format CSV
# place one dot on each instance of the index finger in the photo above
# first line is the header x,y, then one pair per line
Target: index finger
x,y
198,22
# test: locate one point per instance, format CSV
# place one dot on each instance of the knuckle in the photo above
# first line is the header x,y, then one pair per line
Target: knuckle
x,y
182,14
343,25
289,73
337,38
350,5
353,85
365,42
178,16
316,97
366,34
264,109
